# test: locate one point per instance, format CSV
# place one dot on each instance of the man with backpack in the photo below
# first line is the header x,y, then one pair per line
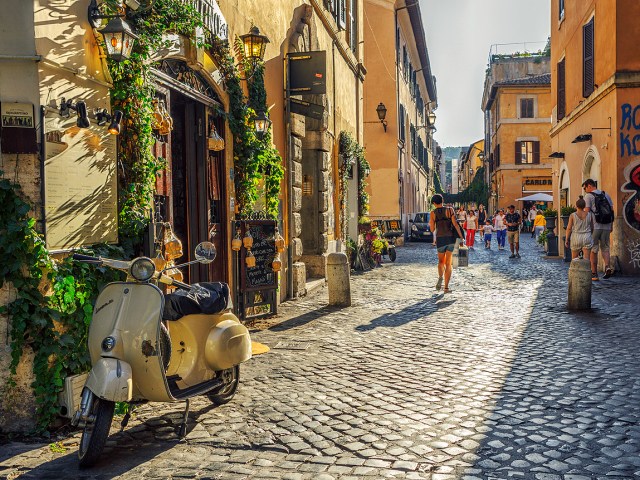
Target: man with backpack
x,y
601,205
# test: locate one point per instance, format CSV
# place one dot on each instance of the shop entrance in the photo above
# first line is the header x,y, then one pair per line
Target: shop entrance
x,y
191,190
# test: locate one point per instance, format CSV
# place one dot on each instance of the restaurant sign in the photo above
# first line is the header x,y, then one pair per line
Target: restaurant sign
x,y
536,184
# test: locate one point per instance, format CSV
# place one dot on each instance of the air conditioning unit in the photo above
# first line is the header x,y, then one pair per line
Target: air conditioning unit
x,y
69,397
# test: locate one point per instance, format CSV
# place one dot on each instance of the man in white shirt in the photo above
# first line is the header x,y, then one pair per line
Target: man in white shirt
x,y
532,216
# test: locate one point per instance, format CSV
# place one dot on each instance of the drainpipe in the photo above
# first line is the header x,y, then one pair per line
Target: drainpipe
x,y
289,160
43,110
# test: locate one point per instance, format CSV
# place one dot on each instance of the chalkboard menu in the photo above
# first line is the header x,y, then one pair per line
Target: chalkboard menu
x,y
262,276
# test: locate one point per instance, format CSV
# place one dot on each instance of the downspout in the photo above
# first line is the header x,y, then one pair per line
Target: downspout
x,y
398,122
43,110
289,160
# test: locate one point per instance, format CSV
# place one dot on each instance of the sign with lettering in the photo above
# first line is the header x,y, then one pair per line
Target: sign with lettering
x,y
536,184
18,128
262,275
307,109
307,73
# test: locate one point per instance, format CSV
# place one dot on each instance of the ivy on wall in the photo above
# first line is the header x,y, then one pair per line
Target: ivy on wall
x,y
477,192
352,155
254,158
52,323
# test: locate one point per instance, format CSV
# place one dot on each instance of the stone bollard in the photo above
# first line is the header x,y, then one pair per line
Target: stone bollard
x,y
579,297
338,280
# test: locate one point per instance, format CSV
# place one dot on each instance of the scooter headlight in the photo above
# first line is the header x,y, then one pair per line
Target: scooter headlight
x,y
142,269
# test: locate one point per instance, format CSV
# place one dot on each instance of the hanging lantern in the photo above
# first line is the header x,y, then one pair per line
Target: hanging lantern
x,y
247,241
215,141
159,261
279,242
236,243
250,259
276,265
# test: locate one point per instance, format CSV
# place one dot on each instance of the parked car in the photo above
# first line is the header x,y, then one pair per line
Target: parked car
x,y
420,229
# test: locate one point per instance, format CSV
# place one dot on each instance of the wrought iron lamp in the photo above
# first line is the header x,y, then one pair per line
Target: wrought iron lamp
x,y
262,124
255,45
118,35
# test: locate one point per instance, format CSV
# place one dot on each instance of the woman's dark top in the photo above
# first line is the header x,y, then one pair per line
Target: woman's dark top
x,y
444,227
482,218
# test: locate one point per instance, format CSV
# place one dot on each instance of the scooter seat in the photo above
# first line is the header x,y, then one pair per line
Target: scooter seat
x,y
203,298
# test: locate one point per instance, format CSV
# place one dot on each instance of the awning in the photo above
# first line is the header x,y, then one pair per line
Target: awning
x,y
536,197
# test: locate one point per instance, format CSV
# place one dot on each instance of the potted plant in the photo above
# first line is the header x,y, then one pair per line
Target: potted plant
x,y
564,214
542,238
550,214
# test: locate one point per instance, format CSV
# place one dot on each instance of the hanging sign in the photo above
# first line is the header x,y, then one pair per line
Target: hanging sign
x,y
307,109
307,73
18,128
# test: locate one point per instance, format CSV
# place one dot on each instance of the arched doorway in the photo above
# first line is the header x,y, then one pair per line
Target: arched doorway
x,y
591,167
564,186
191,191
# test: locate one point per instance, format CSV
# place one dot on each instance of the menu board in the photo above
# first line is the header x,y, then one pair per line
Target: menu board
x,y
80,184
262,275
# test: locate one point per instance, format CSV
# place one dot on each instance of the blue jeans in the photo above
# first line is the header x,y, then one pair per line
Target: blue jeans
x,y
501,237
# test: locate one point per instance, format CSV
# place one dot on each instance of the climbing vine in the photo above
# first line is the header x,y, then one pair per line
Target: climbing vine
x,y
352,154
53,324
254,158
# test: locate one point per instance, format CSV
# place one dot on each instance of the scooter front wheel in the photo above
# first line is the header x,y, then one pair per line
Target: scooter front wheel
x,y
392,254
94,435
231,379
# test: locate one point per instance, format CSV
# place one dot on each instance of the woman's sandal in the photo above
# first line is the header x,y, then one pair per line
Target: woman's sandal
x,y
439,283
447,290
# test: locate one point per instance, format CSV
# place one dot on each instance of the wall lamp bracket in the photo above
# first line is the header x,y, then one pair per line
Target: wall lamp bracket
x,y
96,16
604,128
557,155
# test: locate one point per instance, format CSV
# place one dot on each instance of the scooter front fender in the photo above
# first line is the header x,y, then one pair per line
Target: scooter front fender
x,y
111,379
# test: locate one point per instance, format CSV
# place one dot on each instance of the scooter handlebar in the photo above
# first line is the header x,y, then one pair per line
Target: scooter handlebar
x,y
86,258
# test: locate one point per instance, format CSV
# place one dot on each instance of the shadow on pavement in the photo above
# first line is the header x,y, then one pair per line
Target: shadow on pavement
x,y
408,314
303,319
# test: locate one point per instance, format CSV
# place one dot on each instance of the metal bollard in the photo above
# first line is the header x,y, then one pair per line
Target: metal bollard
x,y
338,281
579,296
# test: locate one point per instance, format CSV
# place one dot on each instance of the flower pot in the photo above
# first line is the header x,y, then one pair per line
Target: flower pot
x,y
565,220
551,223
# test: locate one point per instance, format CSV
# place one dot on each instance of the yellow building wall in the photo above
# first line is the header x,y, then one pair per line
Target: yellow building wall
x,y
510,176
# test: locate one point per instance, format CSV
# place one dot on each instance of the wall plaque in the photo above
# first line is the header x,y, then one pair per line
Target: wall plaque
x,y
18,128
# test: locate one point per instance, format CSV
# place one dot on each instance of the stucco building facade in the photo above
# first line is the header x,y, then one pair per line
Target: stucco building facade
x,y
595,97
517,106
401,152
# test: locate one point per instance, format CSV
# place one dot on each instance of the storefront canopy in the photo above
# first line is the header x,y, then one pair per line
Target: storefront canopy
x,y
536,197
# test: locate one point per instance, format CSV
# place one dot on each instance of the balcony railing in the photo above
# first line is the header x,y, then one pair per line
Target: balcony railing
x,y
212,16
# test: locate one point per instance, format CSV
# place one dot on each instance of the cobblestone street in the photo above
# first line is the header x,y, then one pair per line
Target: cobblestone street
x,y
494,380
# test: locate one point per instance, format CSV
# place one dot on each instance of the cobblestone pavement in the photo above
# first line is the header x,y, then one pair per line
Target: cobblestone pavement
x,y
496,380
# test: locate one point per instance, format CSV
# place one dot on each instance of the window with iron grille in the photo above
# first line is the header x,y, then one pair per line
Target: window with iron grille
x,y
527,153
588,64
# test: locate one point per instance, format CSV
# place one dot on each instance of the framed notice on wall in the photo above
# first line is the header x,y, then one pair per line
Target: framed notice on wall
x,y
18,128
80,184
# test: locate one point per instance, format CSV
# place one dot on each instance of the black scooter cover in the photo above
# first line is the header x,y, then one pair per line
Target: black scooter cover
x,y
206,297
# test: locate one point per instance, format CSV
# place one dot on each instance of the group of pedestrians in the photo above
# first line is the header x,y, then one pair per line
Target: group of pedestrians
x,y
587,232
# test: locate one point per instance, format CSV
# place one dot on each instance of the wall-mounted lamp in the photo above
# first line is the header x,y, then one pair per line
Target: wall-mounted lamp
x,y
255,45
118,36
381,110
81,111
585,137
557,155
262,124
102,116
114,126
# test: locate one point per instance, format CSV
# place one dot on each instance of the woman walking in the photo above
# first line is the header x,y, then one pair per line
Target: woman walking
x,y
580,231
443,219
539,224
500,228
472,226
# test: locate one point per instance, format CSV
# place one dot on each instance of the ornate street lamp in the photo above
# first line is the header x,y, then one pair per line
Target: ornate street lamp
x,y
262,124
431,119
381,110
255,45
118,36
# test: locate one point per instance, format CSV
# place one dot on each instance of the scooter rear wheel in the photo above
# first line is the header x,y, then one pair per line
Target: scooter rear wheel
x,y
392,254
94,435
231,378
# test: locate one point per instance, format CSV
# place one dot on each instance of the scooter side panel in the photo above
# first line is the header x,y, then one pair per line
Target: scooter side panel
x,y
111,379
131,313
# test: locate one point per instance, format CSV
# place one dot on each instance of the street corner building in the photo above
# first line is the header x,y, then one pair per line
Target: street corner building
x,y
595,131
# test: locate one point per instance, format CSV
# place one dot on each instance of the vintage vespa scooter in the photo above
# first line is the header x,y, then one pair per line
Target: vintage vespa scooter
x,y
150,347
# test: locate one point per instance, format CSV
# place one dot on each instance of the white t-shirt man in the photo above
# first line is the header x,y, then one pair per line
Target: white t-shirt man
x,y
532,214
590,201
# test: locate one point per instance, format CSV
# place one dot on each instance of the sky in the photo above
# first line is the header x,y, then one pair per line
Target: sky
x,y
460,34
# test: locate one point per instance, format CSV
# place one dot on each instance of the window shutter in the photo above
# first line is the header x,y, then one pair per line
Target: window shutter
x,y
588,66
497,156
342,14
562,105
536,152
518,159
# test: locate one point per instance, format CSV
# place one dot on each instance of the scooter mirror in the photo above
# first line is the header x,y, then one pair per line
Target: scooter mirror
x,y
205,252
